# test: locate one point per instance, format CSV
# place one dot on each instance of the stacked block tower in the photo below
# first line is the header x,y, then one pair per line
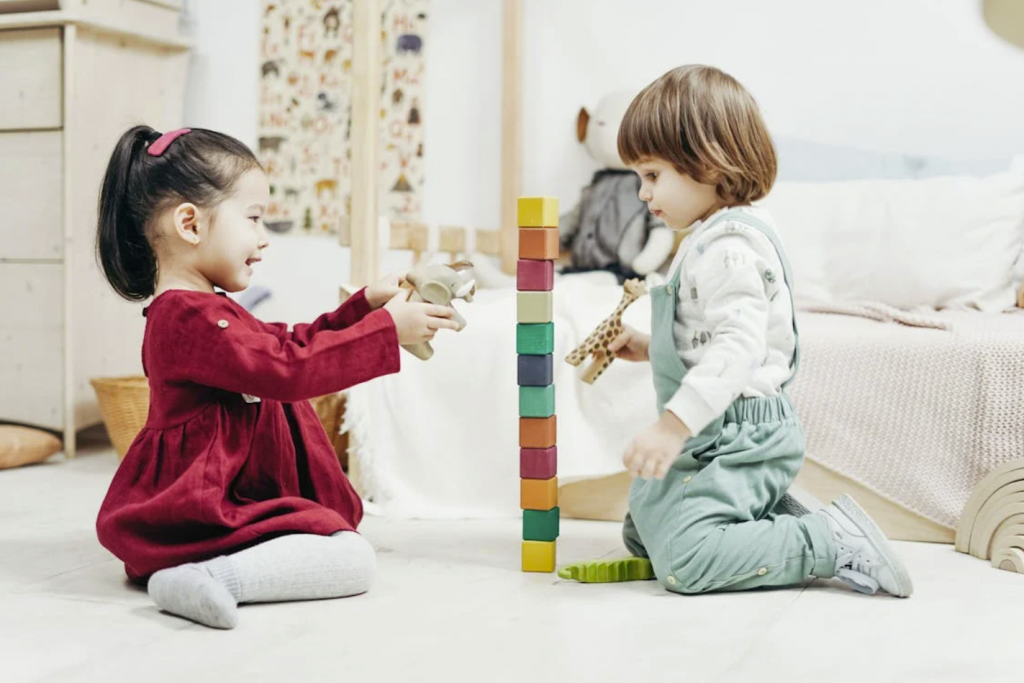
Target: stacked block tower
x,y
535,346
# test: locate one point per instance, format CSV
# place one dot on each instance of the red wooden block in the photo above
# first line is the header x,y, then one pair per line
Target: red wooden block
x,y
535,276
538,463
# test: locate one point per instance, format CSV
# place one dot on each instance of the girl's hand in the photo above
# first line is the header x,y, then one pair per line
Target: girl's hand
x,y
631,345
653,451
418,322
381,292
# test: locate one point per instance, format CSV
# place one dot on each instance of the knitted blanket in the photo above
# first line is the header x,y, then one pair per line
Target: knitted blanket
x,y
918,414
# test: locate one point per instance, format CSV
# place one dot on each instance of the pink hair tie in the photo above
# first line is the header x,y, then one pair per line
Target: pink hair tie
x,y
161,144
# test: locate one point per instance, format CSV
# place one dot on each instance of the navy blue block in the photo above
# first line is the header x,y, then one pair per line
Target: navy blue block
x,y
535,371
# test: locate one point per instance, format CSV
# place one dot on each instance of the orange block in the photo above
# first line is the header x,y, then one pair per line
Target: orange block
x,y
538,244
537,432
538,494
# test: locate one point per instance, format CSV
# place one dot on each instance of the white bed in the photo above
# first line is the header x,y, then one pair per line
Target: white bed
x,y
916,414
914,410
441,438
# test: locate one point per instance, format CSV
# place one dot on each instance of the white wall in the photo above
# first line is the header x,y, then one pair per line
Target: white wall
x,y
919,76
462,139
223,75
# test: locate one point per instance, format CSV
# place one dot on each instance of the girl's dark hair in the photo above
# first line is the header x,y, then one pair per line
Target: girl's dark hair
x,y
201,167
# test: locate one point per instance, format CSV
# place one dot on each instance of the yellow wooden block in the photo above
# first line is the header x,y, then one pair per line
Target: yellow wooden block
x,y
538,556
534,307
538,212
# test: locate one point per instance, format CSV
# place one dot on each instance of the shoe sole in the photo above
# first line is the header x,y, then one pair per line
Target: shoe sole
x,y
609,571
851,509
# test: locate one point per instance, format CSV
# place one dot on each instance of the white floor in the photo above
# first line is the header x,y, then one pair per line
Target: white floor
x,y
451,605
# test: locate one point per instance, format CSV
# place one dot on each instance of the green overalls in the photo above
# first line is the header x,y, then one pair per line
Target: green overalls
x,y
715,522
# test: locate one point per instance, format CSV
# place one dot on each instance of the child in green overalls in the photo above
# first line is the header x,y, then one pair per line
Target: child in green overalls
x,y
707,507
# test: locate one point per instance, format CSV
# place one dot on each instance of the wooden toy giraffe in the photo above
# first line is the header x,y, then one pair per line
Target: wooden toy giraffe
x,y
596,344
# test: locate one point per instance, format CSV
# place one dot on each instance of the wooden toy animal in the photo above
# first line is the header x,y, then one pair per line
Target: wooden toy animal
x,y
596,344
439,284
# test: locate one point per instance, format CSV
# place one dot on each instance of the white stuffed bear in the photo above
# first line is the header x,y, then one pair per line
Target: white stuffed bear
x,y
610,228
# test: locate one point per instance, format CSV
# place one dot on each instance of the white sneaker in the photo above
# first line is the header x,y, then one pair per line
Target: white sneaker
x,y
865,559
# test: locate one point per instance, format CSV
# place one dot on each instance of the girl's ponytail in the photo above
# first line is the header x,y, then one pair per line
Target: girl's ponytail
x,y
125,254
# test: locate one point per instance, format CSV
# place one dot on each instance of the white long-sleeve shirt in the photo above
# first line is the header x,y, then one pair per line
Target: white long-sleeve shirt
x,y
734,318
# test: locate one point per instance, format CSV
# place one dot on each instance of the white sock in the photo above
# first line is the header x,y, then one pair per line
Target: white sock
x,y
293,567
190,591
299,567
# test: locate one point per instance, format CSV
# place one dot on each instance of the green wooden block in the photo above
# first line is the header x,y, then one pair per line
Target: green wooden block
x,y
535,339
537,401
534,307
540,525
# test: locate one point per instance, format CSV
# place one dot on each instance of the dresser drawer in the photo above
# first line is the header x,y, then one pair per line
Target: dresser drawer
x,y
11,6
32,344
31,195
31,64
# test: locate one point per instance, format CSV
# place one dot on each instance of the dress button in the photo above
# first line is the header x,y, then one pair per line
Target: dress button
x,y
222,324
672,580
686,479
762,571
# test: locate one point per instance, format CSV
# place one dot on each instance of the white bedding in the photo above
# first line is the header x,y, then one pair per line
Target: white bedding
x,y
918,414
441,438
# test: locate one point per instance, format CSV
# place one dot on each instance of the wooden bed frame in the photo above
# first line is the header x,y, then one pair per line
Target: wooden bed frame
x,y
602,498
361,233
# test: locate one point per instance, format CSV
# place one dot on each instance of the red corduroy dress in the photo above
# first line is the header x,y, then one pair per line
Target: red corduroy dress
x,y
215,471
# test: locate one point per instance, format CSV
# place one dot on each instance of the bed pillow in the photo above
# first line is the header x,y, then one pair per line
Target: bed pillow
x,y
23,446
945,242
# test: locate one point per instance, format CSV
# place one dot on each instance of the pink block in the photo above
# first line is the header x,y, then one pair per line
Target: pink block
x,y
538,463
535,276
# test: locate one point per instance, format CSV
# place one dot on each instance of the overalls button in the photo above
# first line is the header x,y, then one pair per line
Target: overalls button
x,y
672,580
762,571
686,479
222,324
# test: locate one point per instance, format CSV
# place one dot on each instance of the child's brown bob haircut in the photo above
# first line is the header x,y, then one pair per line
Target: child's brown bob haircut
x,y
704,123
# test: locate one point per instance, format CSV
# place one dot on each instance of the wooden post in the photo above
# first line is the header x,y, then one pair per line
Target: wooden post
x,y
365,169
511,131
366,80
71,122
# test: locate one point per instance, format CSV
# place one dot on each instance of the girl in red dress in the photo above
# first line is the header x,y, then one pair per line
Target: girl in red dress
x,y
232,492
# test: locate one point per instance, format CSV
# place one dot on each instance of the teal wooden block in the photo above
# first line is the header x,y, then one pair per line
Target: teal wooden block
x,y
537,401
535,339
540,525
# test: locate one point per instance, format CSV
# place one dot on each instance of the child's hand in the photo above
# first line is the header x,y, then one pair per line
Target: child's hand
x,y
381,292
655,448
631,345
418,322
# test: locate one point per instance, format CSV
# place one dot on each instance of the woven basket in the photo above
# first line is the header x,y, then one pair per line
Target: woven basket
x,y
124,404
331,411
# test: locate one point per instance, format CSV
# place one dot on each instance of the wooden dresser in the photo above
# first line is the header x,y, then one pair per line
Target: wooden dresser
x,y
74,75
